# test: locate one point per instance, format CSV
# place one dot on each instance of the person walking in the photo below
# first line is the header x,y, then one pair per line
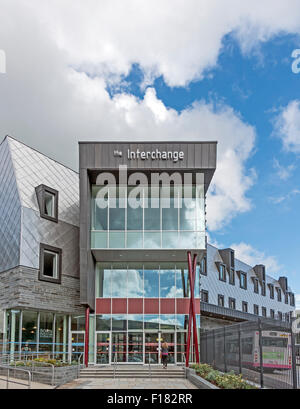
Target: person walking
x,y
164,354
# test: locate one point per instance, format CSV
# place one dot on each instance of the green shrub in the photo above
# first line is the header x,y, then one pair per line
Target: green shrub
x,y
225,381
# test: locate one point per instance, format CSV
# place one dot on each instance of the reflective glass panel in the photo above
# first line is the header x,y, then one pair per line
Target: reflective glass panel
x,y
167,283
103,281
119,282
135,283
151,283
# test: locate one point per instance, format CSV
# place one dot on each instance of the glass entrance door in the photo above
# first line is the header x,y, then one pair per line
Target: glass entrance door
x,y
152,347
135,347
119,347
169,338
77,346
103,348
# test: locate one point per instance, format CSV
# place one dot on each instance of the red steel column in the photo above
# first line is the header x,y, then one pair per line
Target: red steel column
x,y
86,338
187,355
194,311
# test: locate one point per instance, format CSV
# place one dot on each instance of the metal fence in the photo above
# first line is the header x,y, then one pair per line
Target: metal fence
x,y
263,352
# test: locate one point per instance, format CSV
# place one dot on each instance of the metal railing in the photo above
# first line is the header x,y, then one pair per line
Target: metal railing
x,y
115,364
150,374
8,374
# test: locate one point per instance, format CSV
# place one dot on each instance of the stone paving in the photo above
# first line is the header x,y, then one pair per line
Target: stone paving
x,y
34,385
129,383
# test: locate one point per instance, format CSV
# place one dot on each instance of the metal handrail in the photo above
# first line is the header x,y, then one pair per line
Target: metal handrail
x,y
15,382
79,363
150,374
115,364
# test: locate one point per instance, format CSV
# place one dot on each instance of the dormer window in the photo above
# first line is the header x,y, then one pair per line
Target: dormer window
x,y
286,298
231,276
48,202
263,288
292,300
243,280
256,285
278,294
222,272
271,286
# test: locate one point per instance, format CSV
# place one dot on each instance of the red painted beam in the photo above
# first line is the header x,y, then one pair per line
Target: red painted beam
x,y
194,311
187,355
86,338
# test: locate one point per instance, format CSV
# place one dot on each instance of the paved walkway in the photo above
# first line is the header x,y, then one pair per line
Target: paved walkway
x,y
34,385
129,383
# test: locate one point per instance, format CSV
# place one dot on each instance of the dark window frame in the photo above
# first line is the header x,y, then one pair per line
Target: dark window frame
x,y
280,315
256,286
292,300
221,297
232,300
272,313
255,307
205,293
231,281
222,279
272,293
40,192
245,304
243,275
286,298
279,294
264,311
263,289
58,251
203,262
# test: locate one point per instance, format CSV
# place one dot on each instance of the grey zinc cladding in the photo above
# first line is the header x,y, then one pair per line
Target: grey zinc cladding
x,y
22,230
10,211
212,283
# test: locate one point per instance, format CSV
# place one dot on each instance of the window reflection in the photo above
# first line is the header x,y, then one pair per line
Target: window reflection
x,y
151,283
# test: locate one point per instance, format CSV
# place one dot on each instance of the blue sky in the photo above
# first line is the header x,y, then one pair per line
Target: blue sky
x,y
258,86
171,70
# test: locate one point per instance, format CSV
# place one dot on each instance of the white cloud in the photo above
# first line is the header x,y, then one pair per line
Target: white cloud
x,y
284,198
287,126
249,255
283,172
49,105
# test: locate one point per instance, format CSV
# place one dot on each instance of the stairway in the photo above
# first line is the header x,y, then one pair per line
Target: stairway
x,y
132,372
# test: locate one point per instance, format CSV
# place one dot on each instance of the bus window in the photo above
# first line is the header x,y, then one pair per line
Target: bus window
x,y
274,342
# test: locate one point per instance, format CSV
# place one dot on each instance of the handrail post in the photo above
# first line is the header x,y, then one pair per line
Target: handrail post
x,y
149,366
29,380
7,380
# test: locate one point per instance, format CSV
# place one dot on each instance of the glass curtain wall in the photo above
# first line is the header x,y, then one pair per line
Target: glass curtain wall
x,y
29,333
149,218
144,281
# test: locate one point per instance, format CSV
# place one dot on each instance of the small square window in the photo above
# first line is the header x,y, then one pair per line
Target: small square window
x,y
48,202
50,264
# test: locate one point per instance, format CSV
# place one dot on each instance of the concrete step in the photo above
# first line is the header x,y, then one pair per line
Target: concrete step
x,y
126,376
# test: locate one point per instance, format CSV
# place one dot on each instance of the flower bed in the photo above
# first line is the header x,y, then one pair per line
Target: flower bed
x,y
221,380
40,362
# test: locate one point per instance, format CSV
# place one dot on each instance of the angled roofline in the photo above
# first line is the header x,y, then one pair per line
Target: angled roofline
x,y
36,150
137,142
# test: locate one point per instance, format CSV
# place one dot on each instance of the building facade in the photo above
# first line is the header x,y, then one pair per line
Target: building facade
x,y
96,262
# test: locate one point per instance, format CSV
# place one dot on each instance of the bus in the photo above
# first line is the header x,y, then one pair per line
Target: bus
x,y
276,350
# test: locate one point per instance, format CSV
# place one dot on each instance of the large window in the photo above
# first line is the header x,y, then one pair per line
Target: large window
x,y
149,280
161,217
50,264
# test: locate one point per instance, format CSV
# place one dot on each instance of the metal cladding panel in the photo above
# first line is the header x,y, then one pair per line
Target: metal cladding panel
x,y
103,306
33,169
214,286
151,306
182,305
167,306
135,306
36,230
10,211
119,306
197,155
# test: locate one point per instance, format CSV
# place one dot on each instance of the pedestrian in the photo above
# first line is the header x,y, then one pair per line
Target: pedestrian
x,y
164,354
